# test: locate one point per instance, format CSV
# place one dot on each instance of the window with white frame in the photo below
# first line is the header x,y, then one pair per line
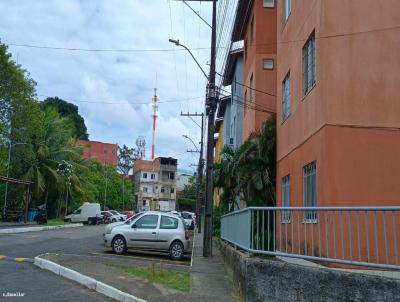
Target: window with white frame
x,y
309,64
153,176
288,9
310,190
286,198
145,190
268,64
269,3
144,175
286,96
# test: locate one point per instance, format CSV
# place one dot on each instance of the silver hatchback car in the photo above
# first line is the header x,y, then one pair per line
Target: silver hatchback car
x,y
150,231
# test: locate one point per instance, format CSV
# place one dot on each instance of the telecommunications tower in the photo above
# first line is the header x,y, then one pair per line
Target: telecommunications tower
x,y
155,109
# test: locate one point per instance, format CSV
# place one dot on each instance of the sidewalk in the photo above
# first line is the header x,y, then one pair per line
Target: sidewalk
x,y
209,282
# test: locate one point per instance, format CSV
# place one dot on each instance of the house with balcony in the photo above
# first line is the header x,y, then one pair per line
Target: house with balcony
x,y
155,184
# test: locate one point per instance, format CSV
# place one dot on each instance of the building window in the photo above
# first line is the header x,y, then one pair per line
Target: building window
x,y
310,190
144,175
153,176
286,97
171,175
268,64
145,189
252,96
288,9
113,151
252,33
286,198
162,190
105,151
144,202
269,3
172,190
309,64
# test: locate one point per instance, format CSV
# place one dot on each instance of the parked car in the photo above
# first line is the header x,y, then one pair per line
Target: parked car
x,y
87,213
121,217
128,221
189,219
151,230
128,214
110,217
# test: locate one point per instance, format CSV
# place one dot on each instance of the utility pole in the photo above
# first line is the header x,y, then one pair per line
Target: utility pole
x,y
211,105
199,192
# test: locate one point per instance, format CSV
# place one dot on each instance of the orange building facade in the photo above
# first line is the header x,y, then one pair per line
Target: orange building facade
x,y
255,24
338,113
102,152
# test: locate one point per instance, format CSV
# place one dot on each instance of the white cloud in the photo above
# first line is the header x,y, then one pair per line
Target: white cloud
x,y
115,77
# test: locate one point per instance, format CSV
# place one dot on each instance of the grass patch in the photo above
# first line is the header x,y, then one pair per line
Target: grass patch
x,y
175,280
55,222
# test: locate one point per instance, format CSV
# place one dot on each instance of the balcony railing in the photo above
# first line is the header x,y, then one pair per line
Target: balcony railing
x,y
359,236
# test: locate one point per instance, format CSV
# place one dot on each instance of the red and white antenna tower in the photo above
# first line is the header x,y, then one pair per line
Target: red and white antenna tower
x,y
155,109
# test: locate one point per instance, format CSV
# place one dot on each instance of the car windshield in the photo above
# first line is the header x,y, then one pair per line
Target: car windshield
x,y
134,217
114,212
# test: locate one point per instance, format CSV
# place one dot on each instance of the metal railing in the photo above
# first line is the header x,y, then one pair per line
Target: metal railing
x,y
359,236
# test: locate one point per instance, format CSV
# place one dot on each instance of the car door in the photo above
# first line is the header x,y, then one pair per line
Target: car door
x,y
144,232
168,228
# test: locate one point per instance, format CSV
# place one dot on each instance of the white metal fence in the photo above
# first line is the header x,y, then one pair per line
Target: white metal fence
x,y
360,236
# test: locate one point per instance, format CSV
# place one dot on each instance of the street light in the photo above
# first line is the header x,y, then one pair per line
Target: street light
x,y
176,42
8,174
197,148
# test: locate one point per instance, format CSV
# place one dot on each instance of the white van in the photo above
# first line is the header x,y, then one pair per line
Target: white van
x,y
88,212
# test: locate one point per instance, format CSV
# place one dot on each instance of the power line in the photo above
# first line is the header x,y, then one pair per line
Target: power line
x,y
102,50
125,103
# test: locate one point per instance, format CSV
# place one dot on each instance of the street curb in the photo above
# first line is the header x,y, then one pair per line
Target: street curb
x,y
86,281
35,229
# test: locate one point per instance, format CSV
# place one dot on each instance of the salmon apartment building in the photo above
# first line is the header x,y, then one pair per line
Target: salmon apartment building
x,y
329,70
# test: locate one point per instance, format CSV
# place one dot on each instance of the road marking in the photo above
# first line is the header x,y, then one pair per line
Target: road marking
x,y
2,257
20,259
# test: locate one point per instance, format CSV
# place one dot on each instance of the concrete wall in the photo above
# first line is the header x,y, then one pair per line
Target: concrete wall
x,y
273,280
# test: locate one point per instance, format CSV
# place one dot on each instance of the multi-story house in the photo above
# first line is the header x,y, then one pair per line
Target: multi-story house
x,y
155,184
233,76
338,125
104,153
255,24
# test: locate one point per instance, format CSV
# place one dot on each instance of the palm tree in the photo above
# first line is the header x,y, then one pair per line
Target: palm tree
x,y
250,170
53,147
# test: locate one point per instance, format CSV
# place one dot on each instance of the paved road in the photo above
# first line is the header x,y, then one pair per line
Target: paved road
x,y
39,285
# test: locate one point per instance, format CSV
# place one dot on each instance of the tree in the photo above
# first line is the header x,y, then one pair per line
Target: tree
x,y
250,171
126,158
70,111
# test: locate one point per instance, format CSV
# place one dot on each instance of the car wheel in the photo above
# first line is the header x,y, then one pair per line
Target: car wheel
x,y
114,220
118,245
67,220
176,250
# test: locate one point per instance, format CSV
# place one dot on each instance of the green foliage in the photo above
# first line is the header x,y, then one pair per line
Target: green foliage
x,y
70,111
126,158
44,149
175,280
249,172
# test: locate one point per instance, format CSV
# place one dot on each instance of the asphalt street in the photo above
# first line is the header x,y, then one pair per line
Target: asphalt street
x,y
38,285
41,285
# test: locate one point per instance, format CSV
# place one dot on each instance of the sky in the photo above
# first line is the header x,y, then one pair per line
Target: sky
x,y
114,89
